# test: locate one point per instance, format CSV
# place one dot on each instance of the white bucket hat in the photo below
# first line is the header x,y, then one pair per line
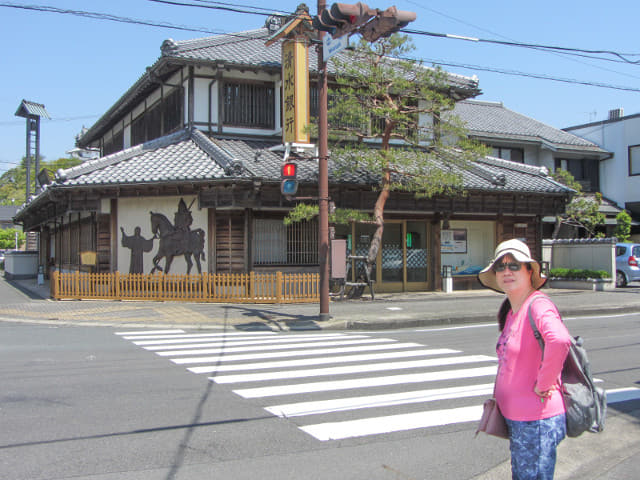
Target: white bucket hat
x,y
518,250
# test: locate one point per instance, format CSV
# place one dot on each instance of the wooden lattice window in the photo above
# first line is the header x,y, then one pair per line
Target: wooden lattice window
x,y
275,243
249,104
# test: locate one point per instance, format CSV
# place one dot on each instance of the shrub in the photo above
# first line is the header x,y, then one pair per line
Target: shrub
x,y
578,273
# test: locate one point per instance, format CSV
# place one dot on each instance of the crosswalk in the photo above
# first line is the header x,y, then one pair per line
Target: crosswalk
x,y
339,385
335,385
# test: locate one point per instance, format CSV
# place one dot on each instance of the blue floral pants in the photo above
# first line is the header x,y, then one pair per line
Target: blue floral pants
x,y
533,447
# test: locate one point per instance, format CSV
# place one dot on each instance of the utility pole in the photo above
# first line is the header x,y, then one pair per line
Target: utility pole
x,y
341,19
323,178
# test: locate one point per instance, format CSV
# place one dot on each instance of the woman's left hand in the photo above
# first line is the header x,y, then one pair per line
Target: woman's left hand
x,y
542,395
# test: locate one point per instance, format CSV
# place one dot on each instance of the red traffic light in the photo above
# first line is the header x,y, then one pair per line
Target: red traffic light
x,y
288,182
289,170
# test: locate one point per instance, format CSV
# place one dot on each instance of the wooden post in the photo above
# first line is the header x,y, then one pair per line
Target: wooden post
x,y
53,285
278,287
117,281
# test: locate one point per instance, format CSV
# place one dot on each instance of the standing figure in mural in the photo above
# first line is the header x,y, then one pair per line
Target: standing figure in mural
x,y
138,245
177,239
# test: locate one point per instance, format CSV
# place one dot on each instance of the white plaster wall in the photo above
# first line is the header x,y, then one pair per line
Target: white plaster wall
x,y
480,245
201,107
545,159
133,212
616,137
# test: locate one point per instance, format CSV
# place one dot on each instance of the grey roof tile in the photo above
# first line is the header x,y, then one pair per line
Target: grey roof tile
x,y
27,108
177,157
491,119
192,156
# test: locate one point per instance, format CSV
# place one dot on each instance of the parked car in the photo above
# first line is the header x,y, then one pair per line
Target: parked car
x,y
627,258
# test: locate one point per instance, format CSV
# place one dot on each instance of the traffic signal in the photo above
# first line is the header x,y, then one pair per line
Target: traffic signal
x,y
288,181
343,18
386,23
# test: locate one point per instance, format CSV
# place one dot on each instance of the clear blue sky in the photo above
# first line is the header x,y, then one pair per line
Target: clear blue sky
x,y
78,67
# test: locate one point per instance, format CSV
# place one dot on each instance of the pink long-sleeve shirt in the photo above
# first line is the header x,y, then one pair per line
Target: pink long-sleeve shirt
x,y
521,366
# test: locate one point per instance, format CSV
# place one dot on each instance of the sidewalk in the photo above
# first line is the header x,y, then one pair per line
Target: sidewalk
x,y
399,310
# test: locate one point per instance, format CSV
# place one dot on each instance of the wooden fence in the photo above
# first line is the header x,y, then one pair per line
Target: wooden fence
x,y
251,287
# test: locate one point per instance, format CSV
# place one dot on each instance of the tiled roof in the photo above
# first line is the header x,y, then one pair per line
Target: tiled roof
x,y
491,119
7,212
27,108
177,157
248,49
193,157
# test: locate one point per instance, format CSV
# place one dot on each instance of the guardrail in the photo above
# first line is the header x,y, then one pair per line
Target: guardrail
x,y
277,287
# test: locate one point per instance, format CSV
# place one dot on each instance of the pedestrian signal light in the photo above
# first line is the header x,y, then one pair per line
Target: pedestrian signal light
x,y
288,182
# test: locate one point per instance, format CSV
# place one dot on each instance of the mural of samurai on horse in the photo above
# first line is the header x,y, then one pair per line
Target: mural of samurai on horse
x,y
177,239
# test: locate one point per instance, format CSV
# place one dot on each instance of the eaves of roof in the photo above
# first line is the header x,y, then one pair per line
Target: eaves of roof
x,y
191,157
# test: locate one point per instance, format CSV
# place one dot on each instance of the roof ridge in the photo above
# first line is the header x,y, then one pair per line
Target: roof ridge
x,y
216,152
516,166
126,154
170,46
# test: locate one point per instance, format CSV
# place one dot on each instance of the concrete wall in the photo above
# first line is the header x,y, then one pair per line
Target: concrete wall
x,y
20,265
590,254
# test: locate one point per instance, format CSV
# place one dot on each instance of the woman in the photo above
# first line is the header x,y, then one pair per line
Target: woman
x,y
528,384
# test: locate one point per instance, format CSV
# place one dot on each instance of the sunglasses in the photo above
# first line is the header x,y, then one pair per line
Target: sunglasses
x,y
501,267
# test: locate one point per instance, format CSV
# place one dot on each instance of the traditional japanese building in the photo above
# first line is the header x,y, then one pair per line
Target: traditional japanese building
x,y
190,169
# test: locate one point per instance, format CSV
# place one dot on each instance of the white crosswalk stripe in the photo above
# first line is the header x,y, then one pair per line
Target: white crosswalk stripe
x,y
343,367
331,382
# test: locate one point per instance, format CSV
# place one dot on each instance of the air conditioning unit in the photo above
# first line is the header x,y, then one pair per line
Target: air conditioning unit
x,y
616,113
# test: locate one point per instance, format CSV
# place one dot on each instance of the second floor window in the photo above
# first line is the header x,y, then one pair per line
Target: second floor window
x,y
513,154
634,160
249,105
113,144
161,119
584,171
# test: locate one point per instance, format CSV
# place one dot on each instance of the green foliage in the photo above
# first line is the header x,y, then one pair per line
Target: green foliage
x,y
8,238
390,120
380,99
623,226
582,211
578,273
13,182
304,212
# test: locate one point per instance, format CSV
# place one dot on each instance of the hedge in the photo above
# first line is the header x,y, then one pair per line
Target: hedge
x,y
578,273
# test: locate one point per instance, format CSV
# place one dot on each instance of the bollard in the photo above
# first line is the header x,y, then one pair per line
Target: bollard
x,y
447,278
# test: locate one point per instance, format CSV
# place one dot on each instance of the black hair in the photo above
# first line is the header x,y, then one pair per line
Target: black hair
x,y
502,313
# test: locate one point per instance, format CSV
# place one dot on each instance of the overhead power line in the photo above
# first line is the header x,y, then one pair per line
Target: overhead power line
x,y
578,51
539,76
107,16
261,11
228,7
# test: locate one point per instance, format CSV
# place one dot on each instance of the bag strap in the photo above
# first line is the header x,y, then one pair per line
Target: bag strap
x,y
536,332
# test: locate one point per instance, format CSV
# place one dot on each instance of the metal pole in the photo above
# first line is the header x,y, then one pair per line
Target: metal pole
x,y
37,169
28,160
323,180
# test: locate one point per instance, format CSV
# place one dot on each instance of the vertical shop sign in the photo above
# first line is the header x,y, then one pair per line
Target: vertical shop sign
x,y
295,90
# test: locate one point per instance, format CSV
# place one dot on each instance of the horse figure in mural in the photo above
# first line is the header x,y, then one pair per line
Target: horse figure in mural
x,y
176,241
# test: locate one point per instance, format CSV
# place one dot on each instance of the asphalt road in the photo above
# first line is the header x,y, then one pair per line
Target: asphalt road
x,y
97,403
